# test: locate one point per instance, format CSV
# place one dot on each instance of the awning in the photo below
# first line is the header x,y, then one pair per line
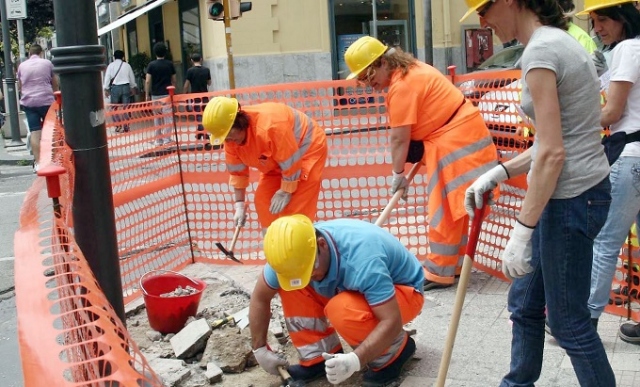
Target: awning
x,y
131,15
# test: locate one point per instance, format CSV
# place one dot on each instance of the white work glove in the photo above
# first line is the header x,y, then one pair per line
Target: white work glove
x,y
269,360
340,366
600,62
399,182
279,201
240,216
487,182
516,256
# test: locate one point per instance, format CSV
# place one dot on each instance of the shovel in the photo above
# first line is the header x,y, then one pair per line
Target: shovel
x,y
229,253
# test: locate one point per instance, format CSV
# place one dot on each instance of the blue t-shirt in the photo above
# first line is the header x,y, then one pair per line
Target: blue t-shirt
x,y
364,258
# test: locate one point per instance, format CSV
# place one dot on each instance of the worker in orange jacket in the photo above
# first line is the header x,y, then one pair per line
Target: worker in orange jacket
x,y
426,108
287,147
333,280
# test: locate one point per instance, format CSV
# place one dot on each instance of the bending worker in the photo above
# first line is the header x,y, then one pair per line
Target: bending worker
x,y
287,147
425,107
342,276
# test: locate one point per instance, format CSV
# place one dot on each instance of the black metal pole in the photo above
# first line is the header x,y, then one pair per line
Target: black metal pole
x,y
79,61
9,79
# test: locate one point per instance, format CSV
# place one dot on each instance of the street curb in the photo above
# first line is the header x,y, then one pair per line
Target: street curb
x,y
16,160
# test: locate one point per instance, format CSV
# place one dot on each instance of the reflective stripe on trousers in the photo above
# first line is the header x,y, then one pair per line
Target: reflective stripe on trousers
x,y
349,314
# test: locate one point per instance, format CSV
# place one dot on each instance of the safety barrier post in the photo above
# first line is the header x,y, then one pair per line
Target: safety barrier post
x,y
79,61
172,92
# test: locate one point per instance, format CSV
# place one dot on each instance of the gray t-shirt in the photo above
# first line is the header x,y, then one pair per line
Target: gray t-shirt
x,y
578,86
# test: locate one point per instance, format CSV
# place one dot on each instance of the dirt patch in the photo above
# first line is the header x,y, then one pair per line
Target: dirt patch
x,y
228,346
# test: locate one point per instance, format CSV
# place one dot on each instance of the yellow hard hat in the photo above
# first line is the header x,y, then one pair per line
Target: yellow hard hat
x,y
362,53
473,7
290,249
594,5
218,118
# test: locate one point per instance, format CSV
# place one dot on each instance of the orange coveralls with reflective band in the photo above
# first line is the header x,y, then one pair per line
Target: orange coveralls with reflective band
x,y
458,148
289,149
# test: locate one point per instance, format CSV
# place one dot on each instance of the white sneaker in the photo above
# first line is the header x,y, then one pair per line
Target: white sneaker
x,y
168,141
35,167
158,142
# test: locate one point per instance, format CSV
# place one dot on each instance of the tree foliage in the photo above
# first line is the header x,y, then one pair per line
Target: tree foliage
x,y
39,22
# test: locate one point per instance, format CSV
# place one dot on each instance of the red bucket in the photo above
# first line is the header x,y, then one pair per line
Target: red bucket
x,y
168,314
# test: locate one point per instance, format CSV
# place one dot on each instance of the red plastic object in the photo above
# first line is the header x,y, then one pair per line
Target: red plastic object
x,y
168,314
52,174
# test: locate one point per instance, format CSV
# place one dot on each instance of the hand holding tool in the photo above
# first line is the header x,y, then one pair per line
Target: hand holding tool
x,y
487,182
240,216
396,196
400,182
269,360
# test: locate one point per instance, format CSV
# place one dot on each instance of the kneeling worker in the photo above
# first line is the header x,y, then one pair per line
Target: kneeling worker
x,y
346,277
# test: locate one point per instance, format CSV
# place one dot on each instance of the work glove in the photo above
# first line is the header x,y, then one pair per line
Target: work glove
x,y
487,182
516,256
600,62
399,182
269,360
279,201
240,217
340,366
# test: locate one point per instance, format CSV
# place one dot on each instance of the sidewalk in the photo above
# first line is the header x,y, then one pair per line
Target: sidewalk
x,y
482,349
14,155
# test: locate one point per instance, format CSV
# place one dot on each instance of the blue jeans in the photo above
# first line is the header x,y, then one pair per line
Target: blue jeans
x,y
120,94
625,204
562,255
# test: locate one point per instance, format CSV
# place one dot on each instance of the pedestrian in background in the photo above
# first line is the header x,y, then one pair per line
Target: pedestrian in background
x,y
198,81
36,83
617,24
119,85
550,250
284,144
425,108
160,75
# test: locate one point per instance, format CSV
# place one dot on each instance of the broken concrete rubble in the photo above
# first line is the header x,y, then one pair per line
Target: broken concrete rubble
x,y
191,339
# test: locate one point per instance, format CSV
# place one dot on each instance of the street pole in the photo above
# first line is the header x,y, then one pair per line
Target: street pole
x,y
227,35
79,61
21,54
428,32
9,79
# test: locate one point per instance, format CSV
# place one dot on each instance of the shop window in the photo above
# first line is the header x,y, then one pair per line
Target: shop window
x,y
190,27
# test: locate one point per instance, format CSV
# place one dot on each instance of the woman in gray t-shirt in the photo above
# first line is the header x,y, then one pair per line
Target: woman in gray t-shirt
x,y
549,253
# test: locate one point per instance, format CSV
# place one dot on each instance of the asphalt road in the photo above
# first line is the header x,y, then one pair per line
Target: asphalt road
x,y
14,182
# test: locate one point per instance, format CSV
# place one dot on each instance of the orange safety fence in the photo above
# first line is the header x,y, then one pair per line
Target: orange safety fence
x,y
172,203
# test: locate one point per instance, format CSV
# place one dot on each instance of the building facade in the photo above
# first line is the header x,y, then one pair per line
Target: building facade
x,y
290,40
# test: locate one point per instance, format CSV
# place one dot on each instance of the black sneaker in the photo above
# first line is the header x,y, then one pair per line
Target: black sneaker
x,y
630,333
308,373
391,372
431,285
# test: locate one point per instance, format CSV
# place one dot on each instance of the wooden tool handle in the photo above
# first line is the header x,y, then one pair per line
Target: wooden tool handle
x,y
284,373
235,238
396,197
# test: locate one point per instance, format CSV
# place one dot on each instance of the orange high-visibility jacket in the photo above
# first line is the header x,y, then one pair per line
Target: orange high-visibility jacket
x,y
280,139
458,145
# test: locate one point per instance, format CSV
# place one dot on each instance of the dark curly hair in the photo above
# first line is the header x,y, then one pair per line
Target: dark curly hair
x,y
627,14
549,12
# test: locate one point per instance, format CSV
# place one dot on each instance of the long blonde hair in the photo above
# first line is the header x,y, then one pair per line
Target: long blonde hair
x,y
397,59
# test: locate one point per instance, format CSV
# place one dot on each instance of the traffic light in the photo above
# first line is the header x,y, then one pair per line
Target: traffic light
x,y
215,9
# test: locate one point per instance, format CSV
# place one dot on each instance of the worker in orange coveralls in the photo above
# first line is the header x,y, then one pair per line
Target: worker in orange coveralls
x,y
287,147
428,112
342,277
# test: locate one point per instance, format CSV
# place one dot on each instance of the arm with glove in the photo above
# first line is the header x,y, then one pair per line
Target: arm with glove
x,y
400,139
259,315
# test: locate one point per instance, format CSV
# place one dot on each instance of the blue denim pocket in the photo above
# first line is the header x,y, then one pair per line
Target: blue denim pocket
x,y
598,202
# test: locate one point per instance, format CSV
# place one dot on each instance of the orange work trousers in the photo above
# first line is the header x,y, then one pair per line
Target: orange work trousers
x,y
446,251
312,321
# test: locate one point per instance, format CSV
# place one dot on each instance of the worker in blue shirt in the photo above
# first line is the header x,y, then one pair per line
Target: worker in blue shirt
x,y
346,277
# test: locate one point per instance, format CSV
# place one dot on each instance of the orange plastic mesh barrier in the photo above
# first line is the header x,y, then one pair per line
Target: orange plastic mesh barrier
x,y
172,203
68,332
